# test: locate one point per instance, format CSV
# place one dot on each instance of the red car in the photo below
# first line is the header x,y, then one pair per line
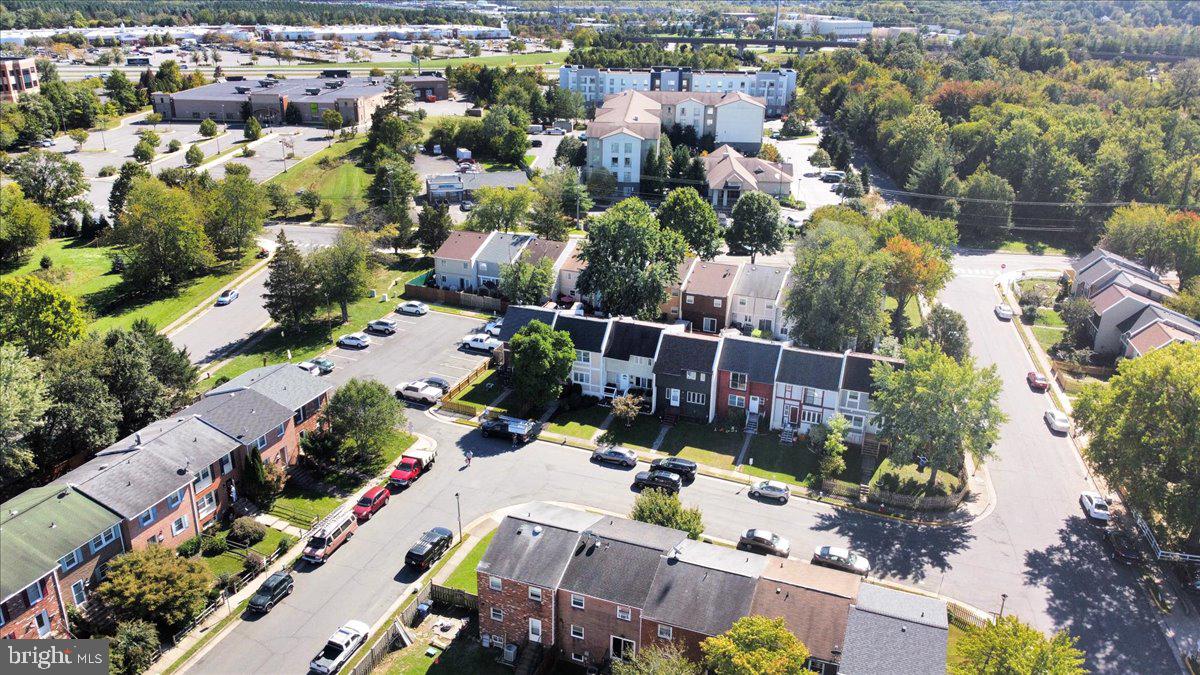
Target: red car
x,y
375,498
1037,381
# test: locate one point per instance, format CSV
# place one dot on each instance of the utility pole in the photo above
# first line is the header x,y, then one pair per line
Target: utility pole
x,y
458,504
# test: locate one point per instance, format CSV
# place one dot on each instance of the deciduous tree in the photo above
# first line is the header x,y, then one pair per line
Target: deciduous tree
x,y
134,648
52,180
527,283
755,228
155,585
664,659
837,291
499,208
342,271
194,155
281,199
23,223
360,418
755,645
986,204
1008,646
38,315
235,215
253,130
165,240
658,507
685,212
947,329
916,270
542,359
23,400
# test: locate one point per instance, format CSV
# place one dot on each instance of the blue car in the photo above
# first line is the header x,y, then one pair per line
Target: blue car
x,y
227,296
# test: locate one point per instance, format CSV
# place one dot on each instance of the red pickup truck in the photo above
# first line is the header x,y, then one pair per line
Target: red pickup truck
x,y
411,466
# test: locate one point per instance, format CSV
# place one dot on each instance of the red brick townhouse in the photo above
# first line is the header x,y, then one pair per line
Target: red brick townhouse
x,y
289,386
590,589
54,542
746,378
707,295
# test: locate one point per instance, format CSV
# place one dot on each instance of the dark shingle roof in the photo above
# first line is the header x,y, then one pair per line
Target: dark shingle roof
x,y
857,376
286,384
586,334
518,316
680,353
244,415
821,370
894,631
757,358
528,551
698,598
616,558
630,338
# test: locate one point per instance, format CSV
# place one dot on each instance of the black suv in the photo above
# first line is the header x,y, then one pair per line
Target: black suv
x,y
685,468
275,588
429,548
1124,547
659,480
509,428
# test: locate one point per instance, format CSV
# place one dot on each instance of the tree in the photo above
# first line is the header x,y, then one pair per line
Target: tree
x,y
82,417
626,408
253,130
120,189
546,217
576,202
235,215
526,283
23,223
938,408
755,645
836,294
342,271
291,288
941,233
155,585
934,175
333,121
986,203
52,180
79,137
833,462
1076,314
654,174
143,152
23,398
1188,300
282,201
194,155
434,225
208,128
947,329
127,371
506,128
656,660
819,158
360,418
915,270
1008,646
498,208
659,507
38,315
311,200
564,103
601,184
394,187
1143,426
769,152
541,359
685,212
755,227
570,152
165,240
118,88
150,137
631,261
134,648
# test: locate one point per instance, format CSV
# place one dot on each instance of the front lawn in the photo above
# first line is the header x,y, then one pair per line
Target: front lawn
x,y
704,444
639,435
334,173
301,506
580,423
768,458
912,311
231,563
1046,336
463,577
909,480
483,390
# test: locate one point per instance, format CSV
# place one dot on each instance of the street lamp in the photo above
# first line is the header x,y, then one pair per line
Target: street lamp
x,y
458,504
1003,599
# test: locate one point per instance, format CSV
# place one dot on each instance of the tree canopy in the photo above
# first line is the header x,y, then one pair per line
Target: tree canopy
x,y
1009,647
755,645
688,214
542,359
662,508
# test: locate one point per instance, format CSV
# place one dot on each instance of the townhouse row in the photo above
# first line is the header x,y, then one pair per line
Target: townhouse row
x,y
1128,316
592,589
161,485
703,377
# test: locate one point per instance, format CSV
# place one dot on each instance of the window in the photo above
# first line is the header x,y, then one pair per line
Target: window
x,y
535,593
812,396
577,601
497,614
624,614
717,302
736,401
207,504
575,656
281,429
741,302
203,479
581,378
103,539
261,442
179,524
495,584
710,325
78,592
577,631
856,422
226,463
147,517
2,620
174,499
582,357
810,416
69,560
854,399
689,299
33,594
737,381
696,398
664,632
691,374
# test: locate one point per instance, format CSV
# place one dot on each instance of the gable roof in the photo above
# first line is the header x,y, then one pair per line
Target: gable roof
x,y
813,601
821,370
527,550
633,338
726,164
245,415
574,263
1098,254
761,281
616,558
756,358
639,113
1159,334
697,597
679,353
286,384
1104,300
461,245
857,374
518,316
41,525
586,334
712,279
546,248
894,631
503,247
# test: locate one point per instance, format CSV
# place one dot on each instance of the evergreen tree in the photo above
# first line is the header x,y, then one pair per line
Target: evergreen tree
x,y
291,288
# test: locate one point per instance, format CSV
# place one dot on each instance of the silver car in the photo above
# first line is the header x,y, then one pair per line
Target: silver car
x,y
771,489
1004,312
615,455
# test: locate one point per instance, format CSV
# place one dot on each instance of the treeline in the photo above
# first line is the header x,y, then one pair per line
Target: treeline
x,y
610,52
87,14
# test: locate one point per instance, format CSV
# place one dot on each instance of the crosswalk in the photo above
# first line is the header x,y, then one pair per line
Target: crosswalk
x,y
975,272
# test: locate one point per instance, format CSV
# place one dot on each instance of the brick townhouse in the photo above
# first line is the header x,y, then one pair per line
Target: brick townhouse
x,y
289,386
746,378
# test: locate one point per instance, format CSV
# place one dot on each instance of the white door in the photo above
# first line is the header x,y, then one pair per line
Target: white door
x,y
624,382
754,403
710,325
673,395
535,630
43,623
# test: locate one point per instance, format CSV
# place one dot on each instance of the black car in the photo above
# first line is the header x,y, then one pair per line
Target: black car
x,y
439,382
510,428
684,468
1124,547
277,586
659,480
429,548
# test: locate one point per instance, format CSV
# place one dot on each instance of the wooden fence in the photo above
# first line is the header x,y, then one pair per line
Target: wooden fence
x,y
456,298
455,597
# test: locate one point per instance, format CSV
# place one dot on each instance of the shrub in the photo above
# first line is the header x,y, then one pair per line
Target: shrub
x,y
247,530
189,548
194,155
254,562
174,145
225,581
327,212
284,544
107,171
46,262
248,151
134,648
212,546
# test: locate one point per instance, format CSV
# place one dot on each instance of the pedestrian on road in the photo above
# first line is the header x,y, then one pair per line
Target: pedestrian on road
x,y
469,458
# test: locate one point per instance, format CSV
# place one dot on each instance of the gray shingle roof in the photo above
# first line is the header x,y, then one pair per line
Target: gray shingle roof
x,y
586,334
538,558
857,376
1098,254
757,358
680,353
286,384
894,631
518,316
698,598
616,559
503,247
244,415
761,281
630,338
821,370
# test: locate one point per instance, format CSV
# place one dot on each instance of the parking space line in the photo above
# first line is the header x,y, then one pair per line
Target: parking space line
x,y
469,359
452,365
342,356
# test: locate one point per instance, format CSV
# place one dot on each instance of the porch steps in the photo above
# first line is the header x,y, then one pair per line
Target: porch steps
x,y
670,418
788,436
752,423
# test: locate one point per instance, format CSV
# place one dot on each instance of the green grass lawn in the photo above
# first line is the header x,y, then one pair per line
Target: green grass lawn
x,y
1047,337
463,576
1049,317
906,479
581,423
912,310
704,444
956,634
300,505
464,655
641,434
344,184
231,563
768,458
80,269
483,390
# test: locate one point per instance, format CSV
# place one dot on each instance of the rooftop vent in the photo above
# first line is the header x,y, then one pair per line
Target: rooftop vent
x,y
242,90
312,91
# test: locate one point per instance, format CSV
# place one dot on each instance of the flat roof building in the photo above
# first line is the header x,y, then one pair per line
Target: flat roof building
x,y
17,76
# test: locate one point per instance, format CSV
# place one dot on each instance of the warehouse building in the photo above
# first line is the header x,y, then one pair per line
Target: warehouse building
x,y
269,99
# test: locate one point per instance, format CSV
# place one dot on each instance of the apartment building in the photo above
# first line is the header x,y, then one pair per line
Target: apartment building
x,y
17,76
776,87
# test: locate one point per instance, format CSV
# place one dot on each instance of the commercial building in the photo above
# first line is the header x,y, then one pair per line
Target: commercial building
x,y
730,173
776,87
17,76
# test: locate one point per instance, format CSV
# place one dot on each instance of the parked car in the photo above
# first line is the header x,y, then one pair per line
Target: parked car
x,y
555,131
429,548
765,542
374,499
1124,547
522,431
354,341
412,308
383,327
493,327
44,143
439,382
833,176
418,390
1095,506
412,465
277,586
227,296
1037,381
841,559
317,366
658,480
686,468
771,489
1058,421
329,535
535,143
482,342
1003,312
466,205
340,647
615,455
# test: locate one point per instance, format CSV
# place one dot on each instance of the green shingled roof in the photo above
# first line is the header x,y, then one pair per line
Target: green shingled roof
x,y
39,526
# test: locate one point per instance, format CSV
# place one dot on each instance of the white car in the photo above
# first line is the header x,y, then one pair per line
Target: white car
x,y
413,308
383,326
418,390
45,143
1004,312
493,327
771,489
482,342
1094,505
340,647
355,340
1057,421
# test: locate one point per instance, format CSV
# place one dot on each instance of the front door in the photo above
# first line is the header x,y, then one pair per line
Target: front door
x,y
710,325
793,414
43,623
755,402
622,648
673,396
624,382
535,630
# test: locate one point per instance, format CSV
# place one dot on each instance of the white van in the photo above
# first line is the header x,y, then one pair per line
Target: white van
x,y
329,535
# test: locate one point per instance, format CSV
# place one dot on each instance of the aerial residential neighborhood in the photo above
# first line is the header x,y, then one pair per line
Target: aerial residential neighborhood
x,y
486,337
